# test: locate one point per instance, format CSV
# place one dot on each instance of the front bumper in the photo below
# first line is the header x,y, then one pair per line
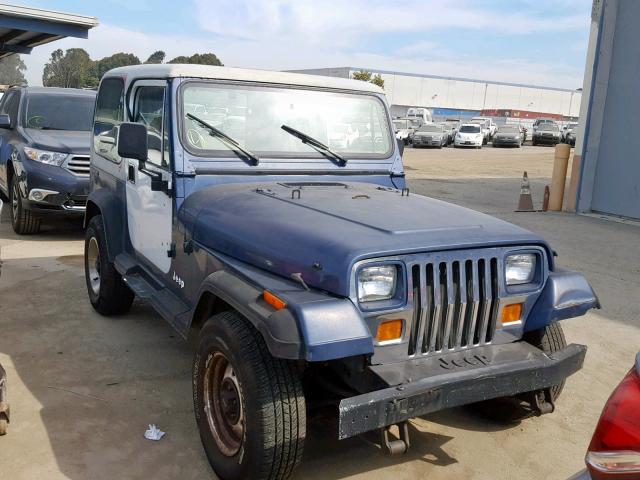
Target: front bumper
x,y
430,384
427,142
64,193
506,141
546,140
468,143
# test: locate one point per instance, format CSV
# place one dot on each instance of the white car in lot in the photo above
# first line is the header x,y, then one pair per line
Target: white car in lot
x,y
469,135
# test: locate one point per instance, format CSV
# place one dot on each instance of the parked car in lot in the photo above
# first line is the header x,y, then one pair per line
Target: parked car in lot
x,y
405,128
44,153
450,131
431,136
489,123
422,115
486,131
469,135
569,133
309,276
454,124
614,451
542,121
508,136
546,134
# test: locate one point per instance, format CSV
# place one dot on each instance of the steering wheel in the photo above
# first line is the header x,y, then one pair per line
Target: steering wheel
x,y
36,121
195,138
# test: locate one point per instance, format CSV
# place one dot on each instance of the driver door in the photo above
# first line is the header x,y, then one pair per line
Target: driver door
x,y
150,209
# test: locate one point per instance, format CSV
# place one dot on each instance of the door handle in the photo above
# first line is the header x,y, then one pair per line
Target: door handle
x,y
131,175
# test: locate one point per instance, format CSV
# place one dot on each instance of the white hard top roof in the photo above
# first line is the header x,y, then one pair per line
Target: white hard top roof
x,y
176,70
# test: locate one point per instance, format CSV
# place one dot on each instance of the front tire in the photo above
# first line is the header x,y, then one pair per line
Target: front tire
x,y
549,339
108,293
24,222
249,406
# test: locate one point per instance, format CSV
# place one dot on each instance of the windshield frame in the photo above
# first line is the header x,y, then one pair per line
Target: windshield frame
x,y
216,156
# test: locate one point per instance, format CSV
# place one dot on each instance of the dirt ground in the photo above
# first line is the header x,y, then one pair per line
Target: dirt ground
x,y
83,388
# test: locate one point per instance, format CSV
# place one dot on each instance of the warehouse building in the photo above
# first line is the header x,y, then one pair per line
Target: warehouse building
x,y
606,176
463,97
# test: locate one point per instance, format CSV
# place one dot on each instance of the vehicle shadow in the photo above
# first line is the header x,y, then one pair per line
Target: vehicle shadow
x,y
363,453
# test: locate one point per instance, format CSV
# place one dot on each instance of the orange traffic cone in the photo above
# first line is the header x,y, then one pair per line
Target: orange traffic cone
x,y
525,204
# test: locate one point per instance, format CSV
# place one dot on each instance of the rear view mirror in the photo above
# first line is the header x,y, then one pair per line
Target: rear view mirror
x,y
400,146
5,121
132,141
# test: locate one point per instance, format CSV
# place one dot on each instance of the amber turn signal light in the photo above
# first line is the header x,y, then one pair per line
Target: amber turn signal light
x,y
389,330
274,301
512,313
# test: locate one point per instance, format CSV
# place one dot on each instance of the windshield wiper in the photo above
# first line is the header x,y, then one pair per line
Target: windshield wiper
x,y
319,146
233,145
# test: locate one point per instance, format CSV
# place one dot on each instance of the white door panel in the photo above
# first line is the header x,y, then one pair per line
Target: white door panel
x,y
149,218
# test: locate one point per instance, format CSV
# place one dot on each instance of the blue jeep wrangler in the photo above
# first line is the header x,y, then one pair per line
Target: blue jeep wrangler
x,y
266,214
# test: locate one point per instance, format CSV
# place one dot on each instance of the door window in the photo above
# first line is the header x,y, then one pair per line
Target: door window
x,y
10,106
108,117
149,111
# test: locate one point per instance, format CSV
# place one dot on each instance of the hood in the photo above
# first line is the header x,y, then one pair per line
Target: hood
x,y
332,226
67,141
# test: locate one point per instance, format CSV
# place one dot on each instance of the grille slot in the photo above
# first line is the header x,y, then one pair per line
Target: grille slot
x,y
78,165
455,305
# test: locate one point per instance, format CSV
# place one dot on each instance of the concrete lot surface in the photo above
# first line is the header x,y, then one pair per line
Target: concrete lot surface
x,y
83,388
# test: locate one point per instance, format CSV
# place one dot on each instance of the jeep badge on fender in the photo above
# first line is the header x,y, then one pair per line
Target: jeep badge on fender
x,y
308,273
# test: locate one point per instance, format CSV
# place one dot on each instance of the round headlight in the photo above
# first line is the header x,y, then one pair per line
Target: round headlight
x,y
377,283
520,268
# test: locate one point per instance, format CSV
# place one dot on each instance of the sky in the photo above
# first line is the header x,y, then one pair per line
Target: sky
x,y
538,42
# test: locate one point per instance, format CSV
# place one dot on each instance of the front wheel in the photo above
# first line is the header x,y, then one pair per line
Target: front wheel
x,y
549,339
108,293
249,406
24,222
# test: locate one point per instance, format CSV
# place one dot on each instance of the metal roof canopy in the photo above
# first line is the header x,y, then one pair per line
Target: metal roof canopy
x,y
22,28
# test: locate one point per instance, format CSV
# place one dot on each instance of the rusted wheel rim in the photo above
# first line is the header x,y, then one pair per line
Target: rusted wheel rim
x,y
93,265
223,404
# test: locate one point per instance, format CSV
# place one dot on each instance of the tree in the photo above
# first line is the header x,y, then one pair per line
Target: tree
x,y
378,80
70,69
362,75
156,57
12,70
119,59
365,76
197,58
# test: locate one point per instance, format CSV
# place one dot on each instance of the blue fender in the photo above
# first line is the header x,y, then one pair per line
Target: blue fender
x,y
104,202
565,295
314,326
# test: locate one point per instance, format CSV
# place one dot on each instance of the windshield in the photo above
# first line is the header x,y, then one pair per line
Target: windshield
x,y
549,127
508,130
430,128
354,125
470,129
59,112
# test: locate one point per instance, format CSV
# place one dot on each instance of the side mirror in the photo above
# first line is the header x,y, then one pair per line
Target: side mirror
x,y
132,141
400,145
5,121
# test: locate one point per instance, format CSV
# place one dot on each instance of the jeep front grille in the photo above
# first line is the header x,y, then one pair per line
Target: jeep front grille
x,y
455,304
78,165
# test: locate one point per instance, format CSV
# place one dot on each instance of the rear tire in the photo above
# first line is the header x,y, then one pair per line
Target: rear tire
x,y
24,222
108,293
249,406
